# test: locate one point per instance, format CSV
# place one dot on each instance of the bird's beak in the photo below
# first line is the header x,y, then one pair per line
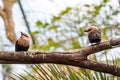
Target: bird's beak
x,y
21,33
85,30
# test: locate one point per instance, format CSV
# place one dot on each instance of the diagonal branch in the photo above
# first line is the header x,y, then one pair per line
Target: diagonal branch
x,y
74,58
109,44
2,13
6,14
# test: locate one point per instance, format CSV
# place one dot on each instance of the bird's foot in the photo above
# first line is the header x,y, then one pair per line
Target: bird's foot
x,y
92,44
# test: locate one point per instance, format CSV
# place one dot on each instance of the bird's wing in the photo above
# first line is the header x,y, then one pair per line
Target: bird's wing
x,y
16,45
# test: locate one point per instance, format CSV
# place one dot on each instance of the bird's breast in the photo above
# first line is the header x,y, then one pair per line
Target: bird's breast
x,y
23,42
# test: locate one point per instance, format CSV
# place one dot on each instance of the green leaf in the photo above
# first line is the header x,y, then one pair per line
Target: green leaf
x,y
65,11
43,72
105,1
97,9
31,76
76,44
53,27
104,35
87,5
45,25
39,23
115,12
72,75
35,32
56,18
51,42
82,30
107,17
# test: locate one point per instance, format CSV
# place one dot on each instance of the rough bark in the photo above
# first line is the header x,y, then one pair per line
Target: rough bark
x,y
74,58
6,14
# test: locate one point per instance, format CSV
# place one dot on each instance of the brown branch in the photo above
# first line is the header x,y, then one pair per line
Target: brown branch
x,y
74,58
2,13
6,14
113,43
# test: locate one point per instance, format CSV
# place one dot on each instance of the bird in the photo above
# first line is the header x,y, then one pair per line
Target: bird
x,y
23,42
94,35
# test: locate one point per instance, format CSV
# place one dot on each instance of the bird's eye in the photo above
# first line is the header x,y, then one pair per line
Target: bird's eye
x,y
89,29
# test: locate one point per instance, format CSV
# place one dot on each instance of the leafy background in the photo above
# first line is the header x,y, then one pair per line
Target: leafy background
x,y
64,32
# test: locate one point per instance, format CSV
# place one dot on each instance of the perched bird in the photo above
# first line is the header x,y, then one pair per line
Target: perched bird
x,y
23,42
94,34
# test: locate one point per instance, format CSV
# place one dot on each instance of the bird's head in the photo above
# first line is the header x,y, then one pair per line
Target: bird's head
x,y
92,28
24,34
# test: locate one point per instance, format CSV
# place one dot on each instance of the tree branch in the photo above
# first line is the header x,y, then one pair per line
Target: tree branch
x,y
74,58
6,14
2,13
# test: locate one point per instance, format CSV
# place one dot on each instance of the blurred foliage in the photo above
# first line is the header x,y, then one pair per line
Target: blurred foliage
x,y
6,69
66,32
61,72
68,26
